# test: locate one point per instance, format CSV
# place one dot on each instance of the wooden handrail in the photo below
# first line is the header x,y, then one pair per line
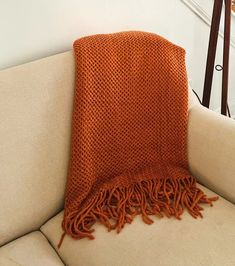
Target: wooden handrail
x,y
212,52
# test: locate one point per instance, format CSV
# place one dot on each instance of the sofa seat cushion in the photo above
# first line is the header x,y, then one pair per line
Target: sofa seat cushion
x,y
31,249
167,242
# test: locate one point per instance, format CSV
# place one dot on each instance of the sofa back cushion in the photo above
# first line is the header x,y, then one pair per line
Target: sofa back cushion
x,y
35,110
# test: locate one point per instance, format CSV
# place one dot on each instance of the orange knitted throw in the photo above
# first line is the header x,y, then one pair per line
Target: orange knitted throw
x,y
129,134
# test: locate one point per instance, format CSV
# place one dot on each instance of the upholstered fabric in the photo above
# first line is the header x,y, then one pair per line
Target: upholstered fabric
x,y
211,147
35,110
29,250
192,99
191,242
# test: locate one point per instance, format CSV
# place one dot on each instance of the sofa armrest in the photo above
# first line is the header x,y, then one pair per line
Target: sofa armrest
x,y
211,149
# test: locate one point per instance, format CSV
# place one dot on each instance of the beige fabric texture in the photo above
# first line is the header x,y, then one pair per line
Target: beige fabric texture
x,y
191,242
35,111
192,99
30,250
211,145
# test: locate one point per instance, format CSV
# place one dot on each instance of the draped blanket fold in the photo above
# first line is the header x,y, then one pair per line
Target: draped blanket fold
x,y
129,134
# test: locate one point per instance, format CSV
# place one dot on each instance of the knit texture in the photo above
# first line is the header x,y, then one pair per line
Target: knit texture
x,y
129,134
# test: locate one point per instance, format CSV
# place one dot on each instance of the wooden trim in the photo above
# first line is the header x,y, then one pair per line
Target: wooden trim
x,y
212,52
204,16
227,34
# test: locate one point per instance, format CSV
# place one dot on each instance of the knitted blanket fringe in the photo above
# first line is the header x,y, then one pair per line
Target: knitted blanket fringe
x,y
114,207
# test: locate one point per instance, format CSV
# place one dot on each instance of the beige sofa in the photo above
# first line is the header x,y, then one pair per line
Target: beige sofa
x,y
35,114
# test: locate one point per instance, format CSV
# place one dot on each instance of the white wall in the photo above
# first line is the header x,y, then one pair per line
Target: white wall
x,y
31,29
